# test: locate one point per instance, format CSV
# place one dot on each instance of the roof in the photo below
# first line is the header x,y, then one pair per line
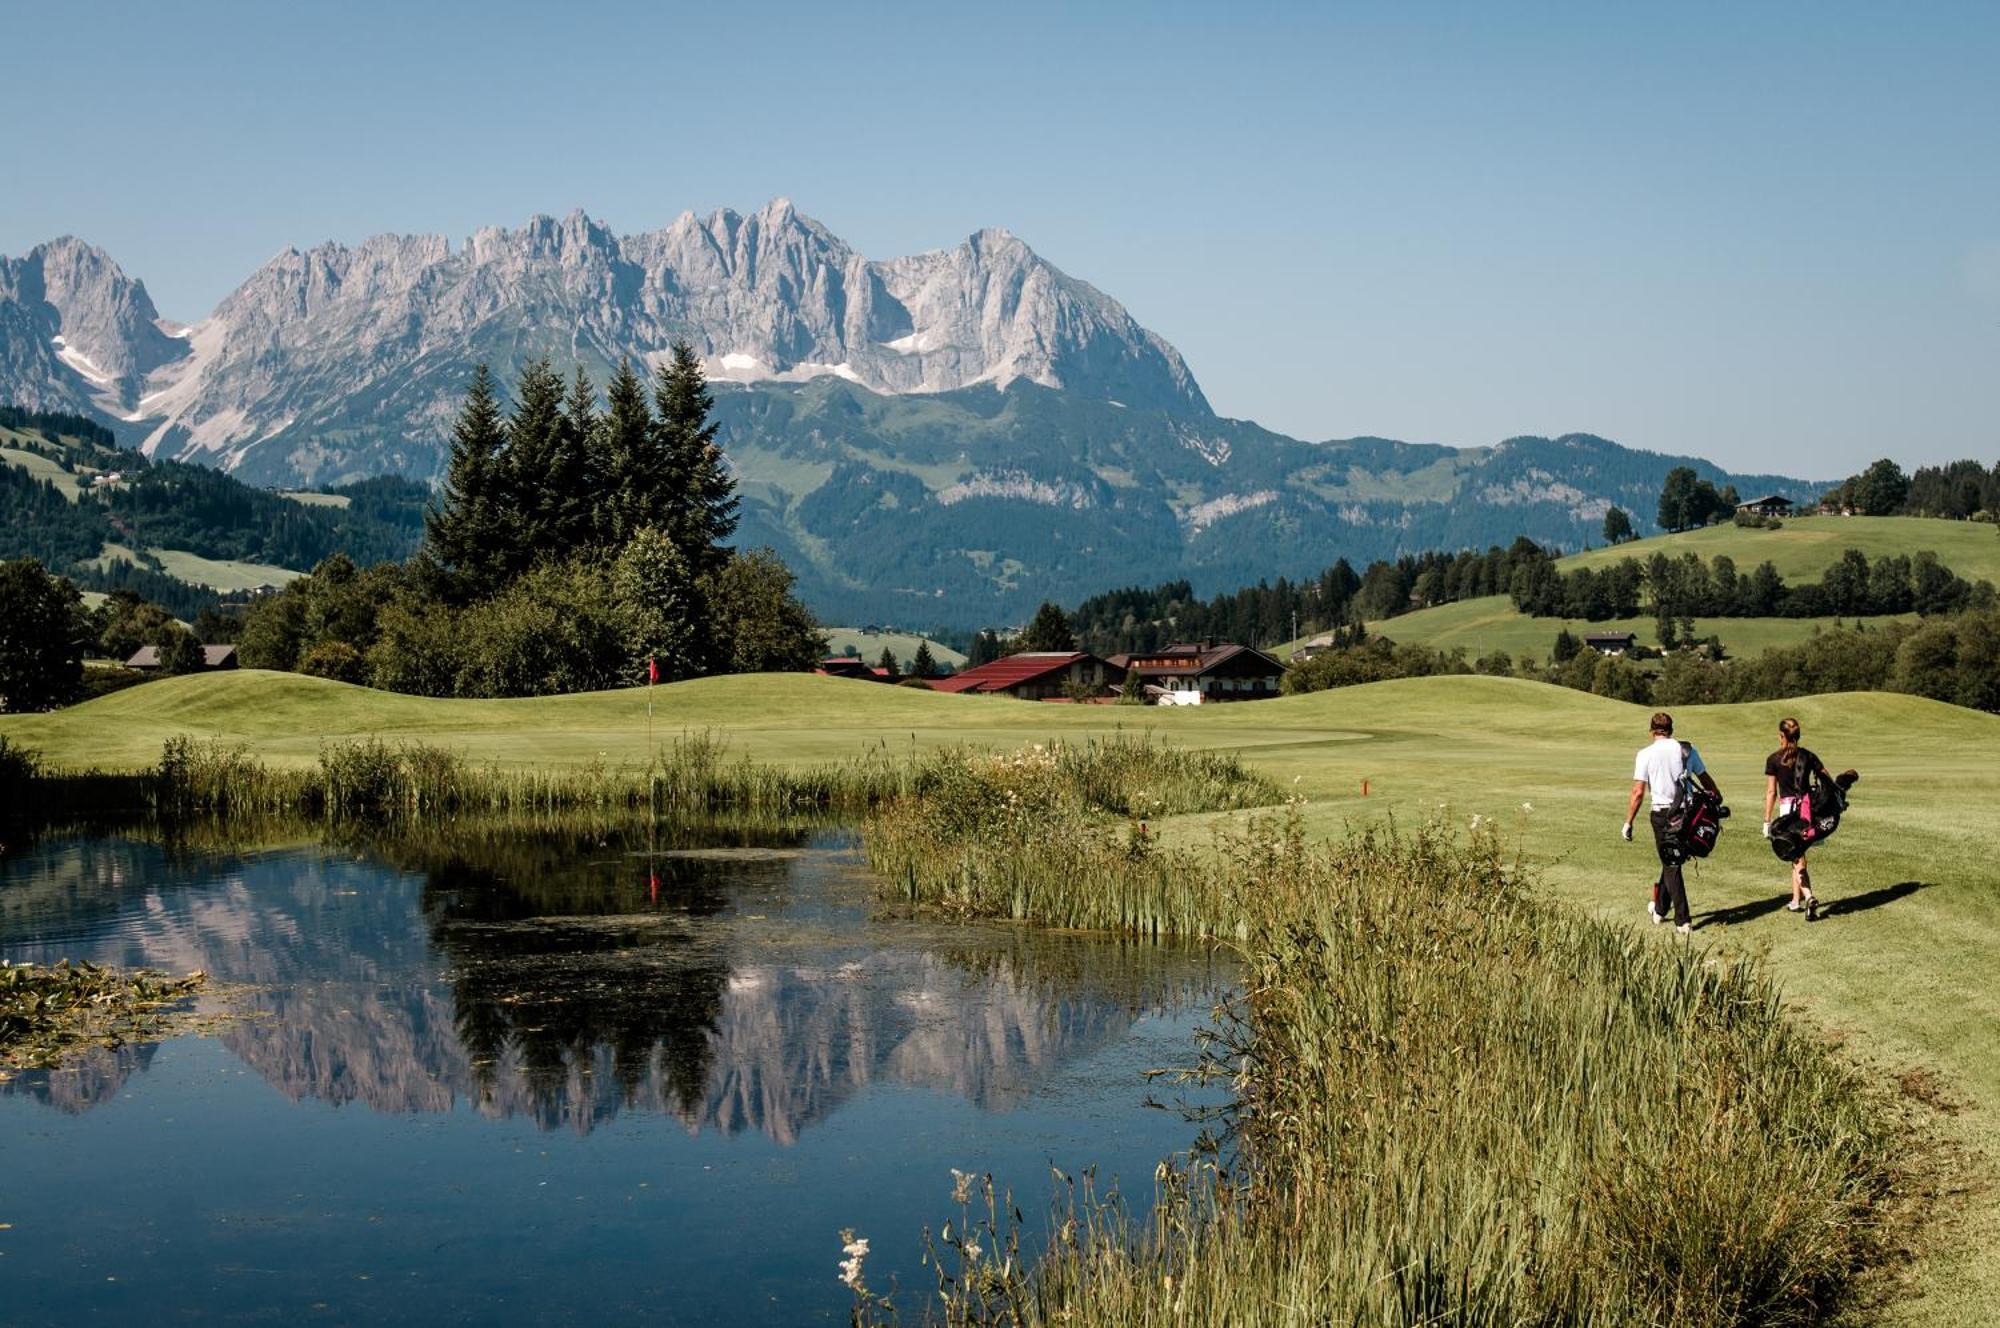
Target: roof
x,y
1011,671
1611,636
1198,659
1768,500
148,657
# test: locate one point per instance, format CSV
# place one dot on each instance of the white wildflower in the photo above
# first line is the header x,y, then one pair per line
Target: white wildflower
x,y
1527,806
972,1250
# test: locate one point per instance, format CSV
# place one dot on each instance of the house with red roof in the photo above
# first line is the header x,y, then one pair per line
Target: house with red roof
x,y
1036,675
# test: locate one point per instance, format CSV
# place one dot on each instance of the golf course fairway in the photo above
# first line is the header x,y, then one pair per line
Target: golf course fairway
x,y
1900,970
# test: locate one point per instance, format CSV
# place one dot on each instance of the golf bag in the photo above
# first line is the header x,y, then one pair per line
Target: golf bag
x,y
1695,820
1816,816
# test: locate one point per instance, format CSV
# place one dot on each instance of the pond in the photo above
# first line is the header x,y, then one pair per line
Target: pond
x,y
553,1076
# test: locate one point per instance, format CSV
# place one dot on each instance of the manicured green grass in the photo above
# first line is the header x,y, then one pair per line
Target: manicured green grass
x,y
1901,971
869,645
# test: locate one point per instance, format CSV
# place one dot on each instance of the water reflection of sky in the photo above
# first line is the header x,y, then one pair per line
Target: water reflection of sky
x,y
549,1078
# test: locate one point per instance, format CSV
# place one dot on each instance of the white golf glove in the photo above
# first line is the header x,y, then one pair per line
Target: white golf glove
x,y
1767,829
1626,832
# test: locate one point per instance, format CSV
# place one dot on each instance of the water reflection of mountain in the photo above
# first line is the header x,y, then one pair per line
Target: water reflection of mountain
x,y
566,977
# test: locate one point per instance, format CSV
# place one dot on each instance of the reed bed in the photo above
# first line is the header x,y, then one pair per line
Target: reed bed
x,y
1059,834
414,781
1454,1102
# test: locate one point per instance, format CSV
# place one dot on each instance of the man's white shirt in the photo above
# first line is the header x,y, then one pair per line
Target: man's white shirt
x,y
1660,766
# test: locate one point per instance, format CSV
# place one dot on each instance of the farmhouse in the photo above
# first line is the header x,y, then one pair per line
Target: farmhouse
x,y
1192,673
847,666
1036,675
1611,643
1771,504
146,659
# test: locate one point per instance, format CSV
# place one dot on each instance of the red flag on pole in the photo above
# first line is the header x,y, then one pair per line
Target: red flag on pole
x,y
652,669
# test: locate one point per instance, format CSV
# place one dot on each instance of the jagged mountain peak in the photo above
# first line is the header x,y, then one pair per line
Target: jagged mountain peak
x,y
374,340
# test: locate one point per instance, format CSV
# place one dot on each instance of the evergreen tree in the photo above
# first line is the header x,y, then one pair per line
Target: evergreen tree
x,y
985,648
1049,630
463,530
630,471
888,663
537,459
1617,526
575,481
700,511
923,664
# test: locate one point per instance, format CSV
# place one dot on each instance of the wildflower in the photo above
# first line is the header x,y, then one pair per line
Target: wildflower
x,y
1527,806
972,1250
961,1186
856,1250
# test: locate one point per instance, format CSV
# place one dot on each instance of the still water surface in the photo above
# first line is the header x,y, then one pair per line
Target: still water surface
x,y
562,1077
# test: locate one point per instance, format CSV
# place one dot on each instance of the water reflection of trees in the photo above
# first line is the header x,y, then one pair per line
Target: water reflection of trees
x,y
567,974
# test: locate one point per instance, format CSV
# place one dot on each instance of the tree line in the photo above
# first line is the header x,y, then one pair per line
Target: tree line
x,y
1675,591
1958,489
1955,659
572,547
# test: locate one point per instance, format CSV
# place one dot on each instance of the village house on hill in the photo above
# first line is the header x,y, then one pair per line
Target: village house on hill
x,y
1611,643
1196,672
1036,675
146,659
1771,504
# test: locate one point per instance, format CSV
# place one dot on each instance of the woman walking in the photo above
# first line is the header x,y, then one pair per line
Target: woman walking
x,y
1788,774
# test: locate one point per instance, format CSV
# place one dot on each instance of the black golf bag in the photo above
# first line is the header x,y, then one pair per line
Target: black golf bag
x,y
1695,821
1816,815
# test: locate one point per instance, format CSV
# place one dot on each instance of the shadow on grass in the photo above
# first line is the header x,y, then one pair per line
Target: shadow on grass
x,y
1861,903
1736,913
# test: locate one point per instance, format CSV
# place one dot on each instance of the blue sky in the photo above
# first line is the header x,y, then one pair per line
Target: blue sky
x,y
1768,234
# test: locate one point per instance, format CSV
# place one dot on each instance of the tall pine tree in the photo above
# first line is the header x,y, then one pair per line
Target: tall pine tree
x,y
700,508
576,482
462,532
631,476
538,458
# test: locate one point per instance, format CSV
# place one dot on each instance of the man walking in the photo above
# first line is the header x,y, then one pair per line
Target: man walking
x,y
1657,775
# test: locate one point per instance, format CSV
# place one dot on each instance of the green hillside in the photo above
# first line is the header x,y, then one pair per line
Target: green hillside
x,y
1806,546
1802,550
869,645
1493,623
1900,968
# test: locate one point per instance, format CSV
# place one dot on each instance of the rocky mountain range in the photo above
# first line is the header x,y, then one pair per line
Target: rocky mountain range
x,y
940,440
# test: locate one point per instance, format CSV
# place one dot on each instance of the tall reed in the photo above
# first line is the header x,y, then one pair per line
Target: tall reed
x,y
1058,834
1455,1102
371,778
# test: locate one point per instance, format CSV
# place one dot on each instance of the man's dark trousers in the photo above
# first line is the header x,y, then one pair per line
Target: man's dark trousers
x,y
1672,888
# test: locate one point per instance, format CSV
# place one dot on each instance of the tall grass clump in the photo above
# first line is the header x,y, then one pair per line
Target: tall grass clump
x,y
1455,1102
372,778
1057,833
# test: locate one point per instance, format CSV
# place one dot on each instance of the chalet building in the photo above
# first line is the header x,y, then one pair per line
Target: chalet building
x,y
1611,643
848,666
1198,672
1771,504
1036,675
146,659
